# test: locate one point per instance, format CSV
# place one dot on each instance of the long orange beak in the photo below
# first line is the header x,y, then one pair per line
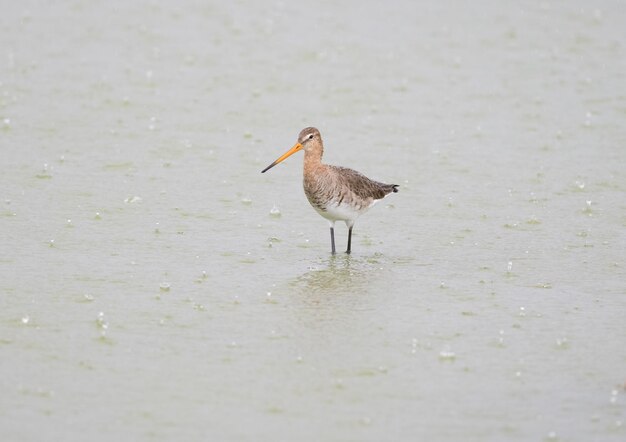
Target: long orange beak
x,y
284,156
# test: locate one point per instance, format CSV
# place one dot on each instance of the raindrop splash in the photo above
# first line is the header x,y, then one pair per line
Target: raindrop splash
x,y
275,212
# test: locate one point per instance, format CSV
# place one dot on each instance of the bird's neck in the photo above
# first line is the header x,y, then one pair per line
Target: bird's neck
x,y
313,159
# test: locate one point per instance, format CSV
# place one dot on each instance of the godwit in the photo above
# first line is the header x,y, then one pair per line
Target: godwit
x,y
336,193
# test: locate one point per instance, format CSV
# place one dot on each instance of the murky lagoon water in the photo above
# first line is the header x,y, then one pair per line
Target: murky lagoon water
x,y
154,285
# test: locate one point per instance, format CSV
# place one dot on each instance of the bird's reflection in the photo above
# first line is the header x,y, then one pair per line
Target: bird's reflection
x,y
338,279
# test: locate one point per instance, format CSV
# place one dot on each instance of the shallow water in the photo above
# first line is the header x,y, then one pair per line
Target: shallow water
x,y
154,285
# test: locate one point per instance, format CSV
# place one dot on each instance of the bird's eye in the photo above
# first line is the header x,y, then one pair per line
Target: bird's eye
x,y
310,136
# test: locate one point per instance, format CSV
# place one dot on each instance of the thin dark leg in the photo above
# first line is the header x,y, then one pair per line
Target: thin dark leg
x,y
349,240
332,240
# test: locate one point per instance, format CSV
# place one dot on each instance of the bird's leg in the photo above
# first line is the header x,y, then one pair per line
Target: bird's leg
x,y
332,239
349,239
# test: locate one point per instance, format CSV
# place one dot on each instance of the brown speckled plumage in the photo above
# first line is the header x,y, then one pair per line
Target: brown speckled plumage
x,y
336,193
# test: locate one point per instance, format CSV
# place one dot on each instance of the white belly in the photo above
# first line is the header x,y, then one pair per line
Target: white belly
x,y
343,212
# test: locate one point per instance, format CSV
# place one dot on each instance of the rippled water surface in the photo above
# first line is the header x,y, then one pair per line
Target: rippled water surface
x,y
154,285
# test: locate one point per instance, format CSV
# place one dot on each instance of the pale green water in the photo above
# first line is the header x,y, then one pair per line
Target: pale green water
x,y
147,293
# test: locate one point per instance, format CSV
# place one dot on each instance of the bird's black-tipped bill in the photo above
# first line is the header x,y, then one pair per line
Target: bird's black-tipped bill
x,y
284,156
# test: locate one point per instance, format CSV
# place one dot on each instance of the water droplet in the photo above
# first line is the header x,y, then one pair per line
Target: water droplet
x,y
246,201
132,199
69,223
562,343
51,243
102,324
164,286
270,299
275,212
6,124
442,285
509,266
45,172
501,338
551,436
97,216
25,319
522,311
88,298
447,355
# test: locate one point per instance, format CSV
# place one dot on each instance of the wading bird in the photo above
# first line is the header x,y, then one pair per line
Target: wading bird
x,y
336,193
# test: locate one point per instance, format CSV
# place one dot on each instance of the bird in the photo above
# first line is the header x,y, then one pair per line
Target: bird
x,y
336,193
